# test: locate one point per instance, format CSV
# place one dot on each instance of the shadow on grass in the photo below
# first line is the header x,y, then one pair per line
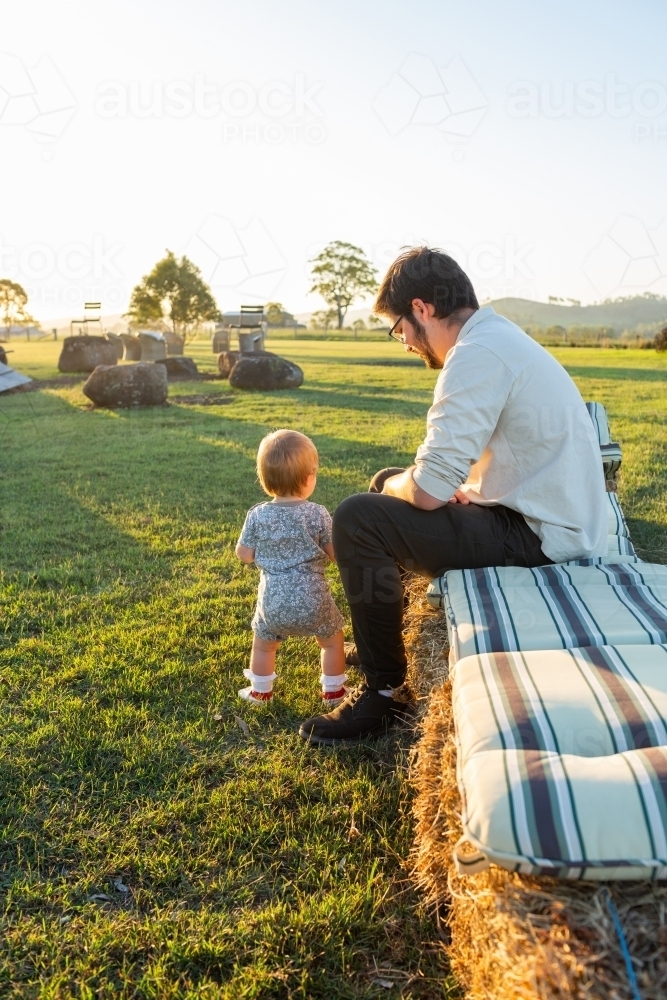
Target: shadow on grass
x,y
98,502
618,374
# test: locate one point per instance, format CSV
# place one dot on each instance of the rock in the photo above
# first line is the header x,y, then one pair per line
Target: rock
x,y
153,345
264,370
132,347
114,339
140,384
174,343
220,341
84,354
179,367
226,361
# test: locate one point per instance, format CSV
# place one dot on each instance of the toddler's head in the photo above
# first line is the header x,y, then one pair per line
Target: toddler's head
x,y
287,464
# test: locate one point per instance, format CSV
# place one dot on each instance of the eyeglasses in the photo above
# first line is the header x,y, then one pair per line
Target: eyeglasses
x,y
400,337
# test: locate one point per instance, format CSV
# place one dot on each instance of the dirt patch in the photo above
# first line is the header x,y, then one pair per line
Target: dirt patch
x,y
202,399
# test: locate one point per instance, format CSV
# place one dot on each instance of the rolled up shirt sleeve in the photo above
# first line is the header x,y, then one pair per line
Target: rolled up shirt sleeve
x,y
469,396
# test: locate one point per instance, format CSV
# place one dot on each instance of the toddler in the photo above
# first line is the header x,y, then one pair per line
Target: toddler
x,y
289,539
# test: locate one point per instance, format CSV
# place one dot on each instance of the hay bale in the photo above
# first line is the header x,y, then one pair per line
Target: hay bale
x,y
514,936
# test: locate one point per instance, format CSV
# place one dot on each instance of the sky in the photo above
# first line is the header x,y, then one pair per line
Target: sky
x,y
528,139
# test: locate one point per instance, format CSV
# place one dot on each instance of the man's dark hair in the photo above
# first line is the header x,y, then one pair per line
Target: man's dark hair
x,y
429,275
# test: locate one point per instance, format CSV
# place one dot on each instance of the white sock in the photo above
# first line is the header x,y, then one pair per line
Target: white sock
x,y
332,682
387,693
261,683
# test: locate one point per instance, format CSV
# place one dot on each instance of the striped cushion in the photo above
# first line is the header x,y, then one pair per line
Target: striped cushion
x,y
552,607
610,451
598,415
562,761
616,523
619,546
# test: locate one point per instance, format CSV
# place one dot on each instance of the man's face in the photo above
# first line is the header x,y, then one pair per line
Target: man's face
x,y
416,341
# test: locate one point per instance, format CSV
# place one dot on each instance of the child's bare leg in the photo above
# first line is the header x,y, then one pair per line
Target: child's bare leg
x,y
261,673
263,656
332,656
333,675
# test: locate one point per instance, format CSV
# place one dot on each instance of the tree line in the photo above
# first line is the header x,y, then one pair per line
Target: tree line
x,y
174,297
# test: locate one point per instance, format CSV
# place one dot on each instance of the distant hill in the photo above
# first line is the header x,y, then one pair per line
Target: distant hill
x,y
621,314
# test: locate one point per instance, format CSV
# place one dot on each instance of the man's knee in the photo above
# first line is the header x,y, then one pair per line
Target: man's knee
x,y
352,512
376,484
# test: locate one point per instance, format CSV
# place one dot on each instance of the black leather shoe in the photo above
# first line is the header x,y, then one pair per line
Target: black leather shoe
x,y
363,713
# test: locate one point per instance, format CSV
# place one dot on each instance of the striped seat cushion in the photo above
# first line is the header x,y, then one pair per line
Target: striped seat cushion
x,y
598,415
610,451
552,607
616,523
562,761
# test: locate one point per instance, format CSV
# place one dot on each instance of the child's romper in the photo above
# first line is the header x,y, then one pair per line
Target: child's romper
x,y
294,596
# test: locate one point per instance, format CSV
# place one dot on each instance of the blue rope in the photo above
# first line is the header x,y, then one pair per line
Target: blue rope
x,y
636,995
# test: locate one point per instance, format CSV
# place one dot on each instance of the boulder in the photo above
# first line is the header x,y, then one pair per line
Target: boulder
x,y
140,384
226,361
264,370
132,347
179,367
174,343
84,354
153,345
221,340
114,339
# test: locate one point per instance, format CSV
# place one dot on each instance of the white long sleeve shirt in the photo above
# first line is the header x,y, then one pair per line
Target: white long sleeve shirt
x,y
508,426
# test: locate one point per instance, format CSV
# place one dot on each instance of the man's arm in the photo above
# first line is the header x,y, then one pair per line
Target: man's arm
x,y
404,487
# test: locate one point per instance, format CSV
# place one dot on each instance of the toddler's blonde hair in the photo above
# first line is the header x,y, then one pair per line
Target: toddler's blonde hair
x,y
285,459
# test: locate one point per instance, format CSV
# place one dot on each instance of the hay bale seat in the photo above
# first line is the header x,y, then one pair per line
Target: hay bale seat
x,y
546,755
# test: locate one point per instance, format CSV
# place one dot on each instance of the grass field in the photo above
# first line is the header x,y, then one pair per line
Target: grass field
x,y
152,846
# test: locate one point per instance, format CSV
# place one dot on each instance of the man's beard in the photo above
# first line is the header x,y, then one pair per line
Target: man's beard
x,y
425,352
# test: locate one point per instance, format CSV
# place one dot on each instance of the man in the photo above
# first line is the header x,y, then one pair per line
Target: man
x,y
509,474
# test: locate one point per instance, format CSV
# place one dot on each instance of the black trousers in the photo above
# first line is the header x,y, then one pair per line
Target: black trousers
x,y
377,538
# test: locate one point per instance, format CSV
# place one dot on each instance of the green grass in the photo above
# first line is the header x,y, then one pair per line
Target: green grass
x,y
125,628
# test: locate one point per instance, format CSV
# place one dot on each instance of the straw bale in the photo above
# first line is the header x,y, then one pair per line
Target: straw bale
x,y
512,936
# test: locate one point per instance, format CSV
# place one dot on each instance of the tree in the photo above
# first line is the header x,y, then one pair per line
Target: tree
x,y
274,313
557,332
323,319
277,315
342,273
13,300
660,340
374,321
173,296
357,326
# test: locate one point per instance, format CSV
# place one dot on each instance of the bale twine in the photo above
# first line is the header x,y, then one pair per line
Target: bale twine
x,y
513,936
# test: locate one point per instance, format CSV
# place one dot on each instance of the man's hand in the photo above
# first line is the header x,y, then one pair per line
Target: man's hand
x,y
459,497
404,487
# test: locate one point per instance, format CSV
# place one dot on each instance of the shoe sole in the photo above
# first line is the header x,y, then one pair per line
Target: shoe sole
x,y
345,743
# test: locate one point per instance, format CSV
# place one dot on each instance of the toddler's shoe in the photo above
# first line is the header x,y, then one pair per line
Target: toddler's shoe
x,y
258,699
